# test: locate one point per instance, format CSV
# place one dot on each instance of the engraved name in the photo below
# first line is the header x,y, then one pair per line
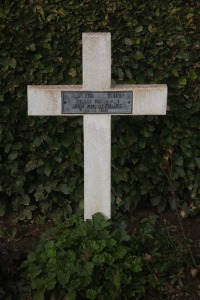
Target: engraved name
x,y
97,102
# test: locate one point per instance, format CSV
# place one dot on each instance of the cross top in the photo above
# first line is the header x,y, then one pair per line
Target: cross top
x,y
96,61
97,100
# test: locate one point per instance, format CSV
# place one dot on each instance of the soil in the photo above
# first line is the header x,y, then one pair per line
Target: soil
x,y
23,237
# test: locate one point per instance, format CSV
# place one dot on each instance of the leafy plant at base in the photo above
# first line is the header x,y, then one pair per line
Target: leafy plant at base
x,y
97,259
41,158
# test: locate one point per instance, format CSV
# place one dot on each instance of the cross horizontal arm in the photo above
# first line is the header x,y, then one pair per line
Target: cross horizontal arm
x,y
147,99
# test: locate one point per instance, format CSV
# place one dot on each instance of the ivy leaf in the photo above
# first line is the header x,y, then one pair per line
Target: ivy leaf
x,y
141,143
120,73
27,213
47,170
37,56
128,41
138,29
49,283
197,160
25,199
180,171
13,63
129,74
146,132
32,47
138,55
179,161
182,80
175,72
117,280
91,294
17,146
156,200
152,28
119,201
13,155
137,264
72,72
31,165
65,189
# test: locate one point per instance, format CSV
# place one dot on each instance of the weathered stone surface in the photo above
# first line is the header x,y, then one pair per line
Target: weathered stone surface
x,y
96,61
97,165
146,100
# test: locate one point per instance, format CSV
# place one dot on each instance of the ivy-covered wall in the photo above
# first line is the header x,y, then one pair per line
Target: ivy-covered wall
x,y
41,158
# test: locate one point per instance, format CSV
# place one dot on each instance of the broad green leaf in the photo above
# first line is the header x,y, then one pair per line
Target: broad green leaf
x,y
138,55
65,188
17,146
119,201
180,171
72,72
135,160
128,41
138,29
13,155
146,132
47,170
91,294
32,47
117,280
49,283
120,73
182,80
13,63
137,264
27,213
31,165
142,143
129,74
179,161
25,199
37,141
37,56
152,28
175,72
156,200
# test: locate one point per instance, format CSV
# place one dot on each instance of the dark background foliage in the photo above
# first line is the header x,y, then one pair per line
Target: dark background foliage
x,y
41,158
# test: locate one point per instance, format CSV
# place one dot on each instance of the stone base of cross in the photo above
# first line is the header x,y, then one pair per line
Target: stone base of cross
x,y
97,100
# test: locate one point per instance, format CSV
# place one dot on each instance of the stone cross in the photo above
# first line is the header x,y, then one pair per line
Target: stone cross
x,y
97,100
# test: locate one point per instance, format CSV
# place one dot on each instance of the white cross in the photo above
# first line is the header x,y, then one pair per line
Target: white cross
x,y
47,101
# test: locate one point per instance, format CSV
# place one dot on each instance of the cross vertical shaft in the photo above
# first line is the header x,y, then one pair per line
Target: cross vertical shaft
x,y
97,128
96,107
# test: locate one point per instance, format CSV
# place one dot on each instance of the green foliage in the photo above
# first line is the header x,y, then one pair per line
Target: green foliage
x,y
97,259
41,159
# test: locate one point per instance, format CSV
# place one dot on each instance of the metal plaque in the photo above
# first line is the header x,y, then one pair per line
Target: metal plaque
x,y
116,102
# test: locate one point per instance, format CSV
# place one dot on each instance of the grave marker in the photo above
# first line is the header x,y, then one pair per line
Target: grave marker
x,y
97,101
